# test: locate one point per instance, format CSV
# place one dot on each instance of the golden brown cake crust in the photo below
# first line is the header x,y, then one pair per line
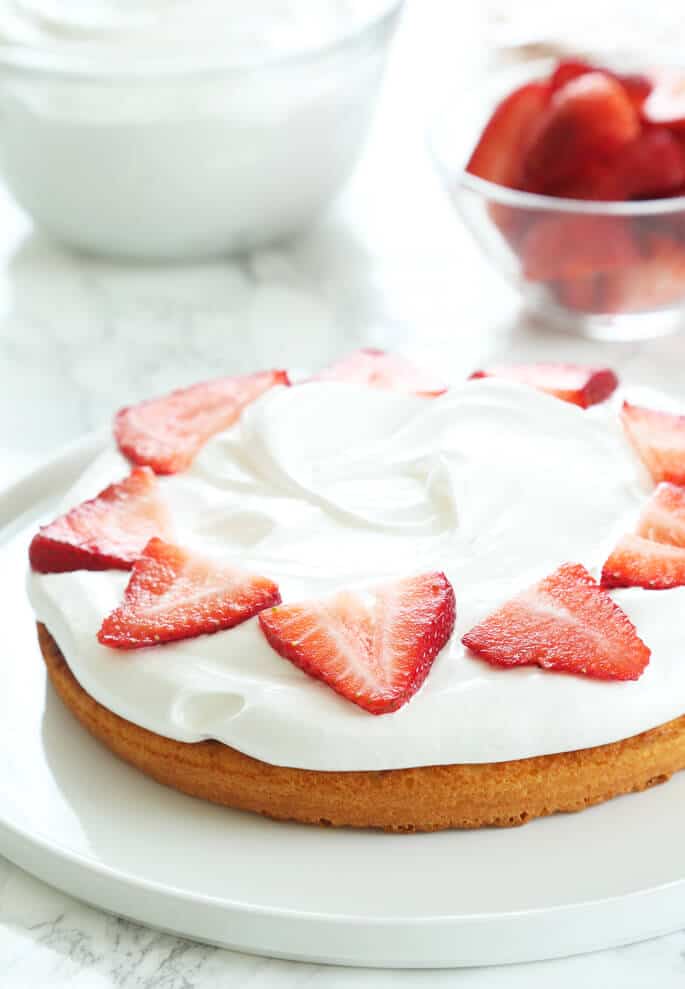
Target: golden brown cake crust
x,y
428,798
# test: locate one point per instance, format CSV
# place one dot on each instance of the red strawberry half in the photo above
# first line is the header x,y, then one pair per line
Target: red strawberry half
x,y
380,370
569,69
637,87
588,116
107,532
376,656
599,180
166,433
659,440
663,518
566,623
500,152
173,594
572,383
638,562
654,557
652,165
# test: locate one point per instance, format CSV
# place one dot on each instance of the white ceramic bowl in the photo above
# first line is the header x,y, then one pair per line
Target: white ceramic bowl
x,y
175,159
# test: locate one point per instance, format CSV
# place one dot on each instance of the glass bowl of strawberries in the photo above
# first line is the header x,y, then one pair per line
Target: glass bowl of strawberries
x,y
571,177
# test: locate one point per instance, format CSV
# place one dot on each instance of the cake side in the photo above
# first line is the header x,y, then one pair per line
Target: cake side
x,y
427,798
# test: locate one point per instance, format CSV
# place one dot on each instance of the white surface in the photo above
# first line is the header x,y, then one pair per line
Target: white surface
x,y
80,337
328,486
73,814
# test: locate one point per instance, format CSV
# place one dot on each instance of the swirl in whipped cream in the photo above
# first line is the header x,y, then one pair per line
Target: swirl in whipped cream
x,y
329,485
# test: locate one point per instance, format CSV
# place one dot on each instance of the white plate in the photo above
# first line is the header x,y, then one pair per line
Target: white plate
x,y
75,816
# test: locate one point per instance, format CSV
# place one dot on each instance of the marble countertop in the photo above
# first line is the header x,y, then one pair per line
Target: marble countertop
x,y
389,265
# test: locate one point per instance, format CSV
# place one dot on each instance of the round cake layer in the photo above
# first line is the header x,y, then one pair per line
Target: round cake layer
x,y
328,485
427,798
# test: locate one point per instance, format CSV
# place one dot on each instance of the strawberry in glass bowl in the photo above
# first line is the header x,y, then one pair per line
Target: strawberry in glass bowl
x,y
571,176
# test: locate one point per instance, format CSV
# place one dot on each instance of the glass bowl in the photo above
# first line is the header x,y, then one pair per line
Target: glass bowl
x,y
170,154
605,270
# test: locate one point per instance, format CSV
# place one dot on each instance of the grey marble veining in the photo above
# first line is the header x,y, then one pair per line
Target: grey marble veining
x,y
50,940
389,265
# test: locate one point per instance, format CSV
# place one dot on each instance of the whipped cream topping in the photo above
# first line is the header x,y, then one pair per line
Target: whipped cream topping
x,y
330,485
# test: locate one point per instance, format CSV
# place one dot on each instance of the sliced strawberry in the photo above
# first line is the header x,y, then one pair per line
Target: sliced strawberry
x,y
500,151
569,69
663,519
639,562
106,533
378,369
166,433
572,383
666,102
572,245
654,558
598,181
651,166
567,623
659,440
174,594
656,281
376,655
590,115
637,87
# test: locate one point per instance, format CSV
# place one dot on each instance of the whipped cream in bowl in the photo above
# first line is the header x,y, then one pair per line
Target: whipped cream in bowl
x,y
167,129
329,485
234,31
